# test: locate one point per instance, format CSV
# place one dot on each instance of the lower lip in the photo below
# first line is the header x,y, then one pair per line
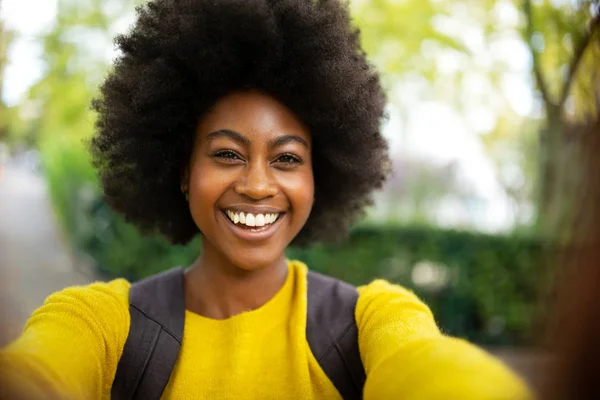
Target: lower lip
x,y
247,234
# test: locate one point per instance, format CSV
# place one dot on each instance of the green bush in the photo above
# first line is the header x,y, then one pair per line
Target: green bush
x,y
482,287
71,183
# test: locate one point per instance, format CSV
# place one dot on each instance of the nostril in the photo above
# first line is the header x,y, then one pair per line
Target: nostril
x,y
257,191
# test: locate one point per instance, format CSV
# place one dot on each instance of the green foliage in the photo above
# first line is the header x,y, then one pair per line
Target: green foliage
x,y
120,251
71,183
116,247
411,41
6,37
562,38
417,41
558,32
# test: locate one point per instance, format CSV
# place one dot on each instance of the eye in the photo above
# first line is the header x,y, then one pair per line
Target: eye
x,y
288,159
227,156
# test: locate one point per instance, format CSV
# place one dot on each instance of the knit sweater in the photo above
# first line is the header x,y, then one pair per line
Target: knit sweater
x,y
71,346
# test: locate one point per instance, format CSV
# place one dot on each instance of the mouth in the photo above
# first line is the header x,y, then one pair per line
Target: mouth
x,y
252,226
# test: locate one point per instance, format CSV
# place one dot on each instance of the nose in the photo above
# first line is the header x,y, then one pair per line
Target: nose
x,y
257,182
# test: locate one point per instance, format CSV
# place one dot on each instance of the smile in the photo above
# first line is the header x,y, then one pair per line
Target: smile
x,y
252,226
249,220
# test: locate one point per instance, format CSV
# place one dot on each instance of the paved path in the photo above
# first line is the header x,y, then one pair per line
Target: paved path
x,y
530,364
35,261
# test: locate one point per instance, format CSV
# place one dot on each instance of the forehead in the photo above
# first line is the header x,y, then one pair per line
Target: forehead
x,y
253,114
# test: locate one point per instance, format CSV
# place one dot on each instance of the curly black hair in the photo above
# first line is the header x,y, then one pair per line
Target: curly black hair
x,y
181,56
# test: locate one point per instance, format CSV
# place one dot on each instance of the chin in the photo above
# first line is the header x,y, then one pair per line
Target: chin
x,y
256,259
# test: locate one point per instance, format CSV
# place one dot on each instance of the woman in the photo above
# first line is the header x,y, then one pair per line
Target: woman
x,y
254,123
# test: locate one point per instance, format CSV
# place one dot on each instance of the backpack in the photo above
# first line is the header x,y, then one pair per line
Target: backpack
x,y
157,313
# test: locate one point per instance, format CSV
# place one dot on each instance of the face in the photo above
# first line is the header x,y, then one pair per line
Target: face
x,y
251,184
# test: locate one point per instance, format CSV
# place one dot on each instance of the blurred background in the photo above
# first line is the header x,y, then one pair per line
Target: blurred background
x,y
488,107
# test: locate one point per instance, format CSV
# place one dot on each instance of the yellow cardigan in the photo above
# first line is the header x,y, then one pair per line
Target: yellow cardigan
x,y
71,346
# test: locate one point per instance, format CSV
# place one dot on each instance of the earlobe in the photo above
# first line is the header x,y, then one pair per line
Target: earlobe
x,y
186,191
185,186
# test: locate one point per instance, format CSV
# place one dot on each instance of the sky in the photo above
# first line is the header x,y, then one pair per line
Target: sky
x,y
24,67
431,130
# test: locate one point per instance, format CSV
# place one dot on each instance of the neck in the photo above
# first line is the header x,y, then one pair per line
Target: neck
x,y
217,289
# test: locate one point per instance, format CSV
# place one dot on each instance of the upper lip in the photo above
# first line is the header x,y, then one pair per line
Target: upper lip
x,y
254,209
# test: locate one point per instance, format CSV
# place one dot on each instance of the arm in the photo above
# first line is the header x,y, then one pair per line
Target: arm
x,y
70,346
406,356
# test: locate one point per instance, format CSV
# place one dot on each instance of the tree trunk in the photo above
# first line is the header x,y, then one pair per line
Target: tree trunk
x,y
549,182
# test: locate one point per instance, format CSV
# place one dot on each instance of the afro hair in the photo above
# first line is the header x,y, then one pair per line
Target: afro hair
x,y
181,56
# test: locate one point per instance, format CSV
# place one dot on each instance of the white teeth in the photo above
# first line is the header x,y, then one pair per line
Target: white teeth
x,y
249,219
260,220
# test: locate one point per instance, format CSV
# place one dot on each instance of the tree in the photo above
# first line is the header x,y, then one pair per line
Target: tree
x,y
565,66
6,37
76,59
452,53
410,41
418,40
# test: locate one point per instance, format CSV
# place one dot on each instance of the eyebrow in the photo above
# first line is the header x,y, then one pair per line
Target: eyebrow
x,y
281,140
227,133
237,137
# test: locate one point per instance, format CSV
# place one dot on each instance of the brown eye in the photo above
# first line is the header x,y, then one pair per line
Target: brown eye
x,y
227,156
289,159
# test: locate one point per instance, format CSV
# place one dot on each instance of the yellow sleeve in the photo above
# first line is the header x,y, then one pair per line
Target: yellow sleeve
x,y
70,346
406,357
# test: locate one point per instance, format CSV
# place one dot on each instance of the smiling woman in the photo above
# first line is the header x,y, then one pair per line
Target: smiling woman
x,y
251,158
254,123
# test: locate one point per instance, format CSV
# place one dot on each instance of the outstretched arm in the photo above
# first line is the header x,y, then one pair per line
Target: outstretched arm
x,y
407,357
70,346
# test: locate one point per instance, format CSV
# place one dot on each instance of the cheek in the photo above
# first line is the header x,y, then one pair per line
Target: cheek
x,y
301,192
205,190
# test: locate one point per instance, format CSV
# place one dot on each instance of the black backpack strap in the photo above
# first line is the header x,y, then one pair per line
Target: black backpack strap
x,y
157,315
332,333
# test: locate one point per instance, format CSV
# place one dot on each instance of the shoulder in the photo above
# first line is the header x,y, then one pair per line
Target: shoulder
x,y
388,317
385,301
97,294
384,307
101,301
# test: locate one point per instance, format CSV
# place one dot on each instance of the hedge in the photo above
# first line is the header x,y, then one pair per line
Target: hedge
x,y
482,287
